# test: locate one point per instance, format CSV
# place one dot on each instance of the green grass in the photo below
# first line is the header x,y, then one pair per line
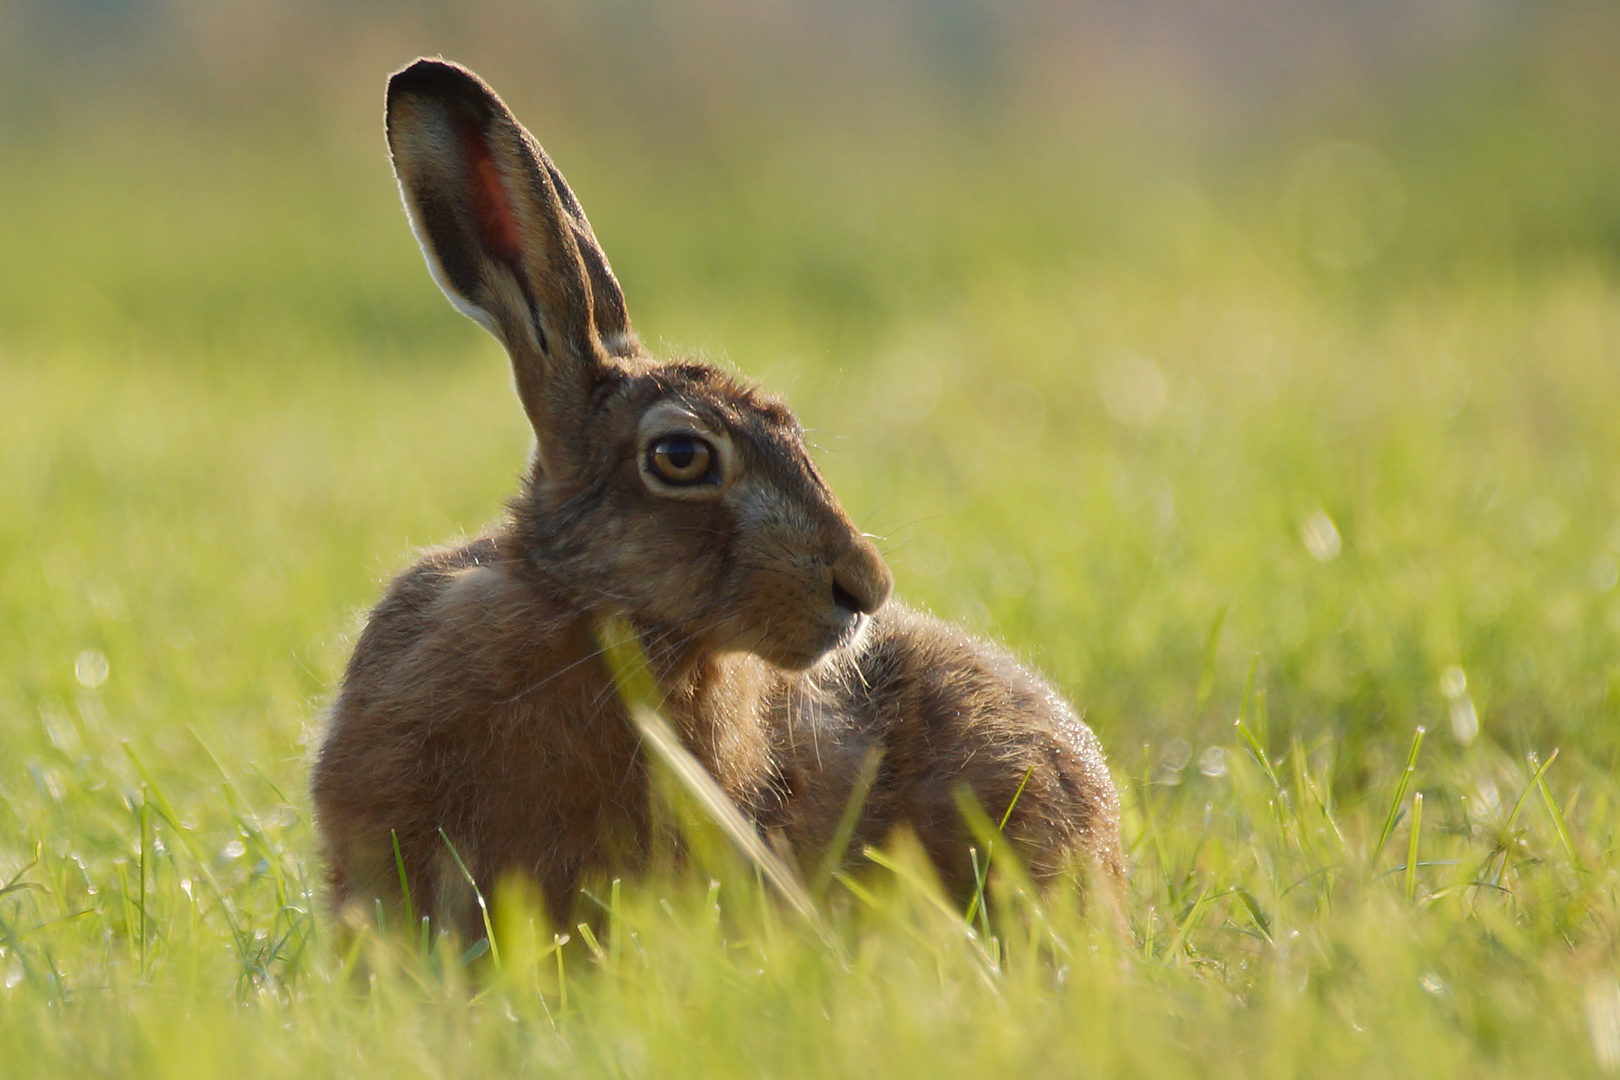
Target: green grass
x,y
1188,471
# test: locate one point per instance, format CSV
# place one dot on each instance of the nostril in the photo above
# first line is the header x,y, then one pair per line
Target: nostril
x,y
860,579
846,599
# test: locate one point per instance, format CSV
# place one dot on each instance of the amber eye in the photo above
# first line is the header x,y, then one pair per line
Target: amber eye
x,y
682,460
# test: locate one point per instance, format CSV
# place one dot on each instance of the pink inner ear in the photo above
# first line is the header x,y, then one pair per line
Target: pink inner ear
x,y
492,205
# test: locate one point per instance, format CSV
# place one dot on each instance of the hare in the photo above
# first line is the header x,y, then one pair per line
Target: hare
x,y
477,721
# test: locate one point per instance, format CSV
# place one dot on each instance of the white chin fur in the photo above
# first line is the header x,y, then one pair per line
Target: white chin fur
x,y
851,642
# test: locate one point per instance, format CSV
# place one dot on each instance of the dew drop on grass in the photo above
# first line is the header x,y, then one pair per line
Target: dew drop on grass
x,y
90,669
234,850
284,817
1320,537
1212,762
1176,754
1464,720
1453,682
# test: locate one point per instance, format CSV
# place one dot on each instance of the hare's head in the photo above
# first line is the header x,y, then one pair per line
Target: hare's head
x,y
664,491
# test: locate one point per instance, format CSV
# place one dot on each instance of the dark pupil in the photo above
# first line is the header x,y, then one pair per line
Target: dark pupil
x,y
680,453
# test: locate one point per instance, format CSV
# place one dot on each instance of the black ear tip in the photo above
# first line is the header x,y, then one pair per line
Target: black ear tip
x,y
439,79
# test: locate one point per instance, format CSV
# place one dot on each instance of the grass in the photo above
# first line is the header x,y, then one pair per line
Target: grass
x,y
1183,466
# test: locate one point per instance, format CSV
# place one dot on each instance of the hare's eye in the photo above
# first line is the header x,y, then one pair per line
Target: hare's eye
x,y
681,459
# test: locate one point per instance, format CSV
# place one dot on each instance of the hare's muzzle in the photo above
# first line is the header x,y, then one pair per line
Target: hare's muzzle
x,y
861,580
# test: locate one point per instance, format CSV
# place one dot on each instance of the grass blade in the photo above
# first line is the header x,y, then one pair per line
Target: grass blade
x,y
964,797
658,736
628,664
1561,825
145,845
1400,794
1412,846
483,907
1194,914
1256,742
404,884
834,856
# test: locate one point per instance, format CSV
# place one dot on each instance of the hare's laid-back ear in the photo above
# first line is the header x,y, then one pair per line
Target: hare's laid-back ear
x,y
506,240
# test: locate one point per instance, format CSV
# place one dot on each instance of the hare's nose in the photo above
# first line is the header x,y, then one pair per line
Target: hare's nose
x,y
861,579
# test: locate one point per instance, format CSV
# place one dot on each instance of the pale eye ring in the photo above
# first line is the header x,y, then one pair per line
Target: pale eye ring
x,y
682,460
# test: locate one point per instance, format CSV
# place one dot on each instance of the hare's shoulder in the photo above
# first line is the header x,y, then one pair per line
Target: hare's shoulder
x,y
408,610
460,617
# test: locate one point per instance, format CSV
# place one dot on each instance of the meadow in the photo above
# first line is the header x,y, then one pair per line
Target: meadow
x,y
1297,470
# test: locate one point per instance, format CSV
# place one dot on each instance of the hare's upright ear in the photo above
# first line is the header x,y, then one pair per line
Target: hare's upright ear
x,y
508,243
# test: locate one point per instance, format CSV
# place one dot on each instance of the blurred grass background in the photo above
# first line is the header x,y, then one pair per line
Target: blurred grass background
x,y
1151,339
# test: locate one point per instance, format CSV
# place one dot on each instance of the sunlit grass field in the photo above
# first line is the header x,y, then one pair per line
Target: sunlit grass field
x,y
1303,486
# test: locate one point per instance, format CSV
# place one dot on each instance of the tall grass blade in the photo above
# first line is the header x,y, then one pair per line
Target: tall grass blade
x,y
1412,846
202,862
1190,922
964,796
1248,687
1256,742
1401,785
833,858
478,894
628,665
1559,823
989,836
404,882
1535,778
15,882
145,845
1013,802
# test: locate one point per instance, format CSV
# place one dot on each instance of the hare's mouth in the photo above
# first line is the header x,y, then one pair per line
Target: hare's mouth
x,y
853,632
801,657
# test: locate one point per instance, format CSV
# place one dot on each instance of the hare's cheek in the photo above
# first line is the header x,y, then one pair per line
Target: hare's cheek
x,y
655,578
779,614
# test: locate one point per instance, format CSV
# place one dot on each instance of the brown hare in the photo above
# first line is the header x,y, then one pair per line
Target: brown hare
x,y
476,708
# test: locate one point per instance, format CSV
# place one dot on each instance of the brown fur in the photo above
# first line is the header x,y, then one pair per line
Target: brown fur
x,y
475,707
